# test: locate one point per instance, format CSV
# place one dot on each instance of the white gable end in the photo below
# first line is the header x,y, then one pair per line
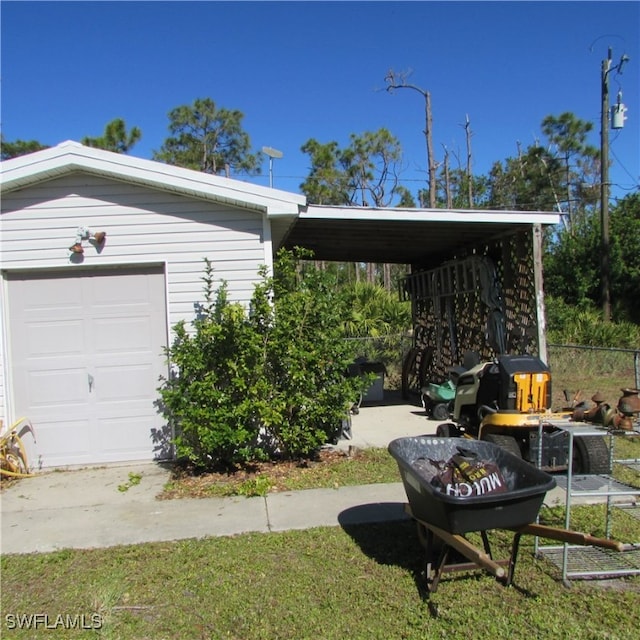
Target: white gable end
x,y
69,157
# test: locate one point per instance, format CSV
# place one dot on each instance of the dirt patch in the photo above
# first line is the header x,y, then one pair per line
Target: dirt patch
x,y
617,584
245,479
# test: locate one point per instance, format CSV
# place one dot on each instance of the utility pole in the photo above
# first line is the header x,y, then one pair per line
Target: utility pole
x,y
604,183
604,190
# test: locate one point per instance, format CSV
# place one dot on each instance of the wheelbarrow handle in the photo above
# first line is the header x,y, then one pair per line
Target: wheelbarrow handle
x,y
468,550
572,537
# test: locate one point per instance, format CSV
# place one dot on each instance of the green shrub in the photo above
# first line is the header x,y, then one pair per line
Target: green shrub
x,y
263,382
375,312
584,325
208,396
307,358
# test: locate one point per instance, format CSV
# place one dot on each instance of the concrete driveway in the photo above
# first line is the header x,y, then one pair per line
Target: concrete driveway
x,y
101,506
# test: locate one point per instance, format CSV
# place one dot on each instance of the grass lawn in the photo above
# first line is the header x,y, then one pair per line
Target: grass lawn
x,y
358,582
336,582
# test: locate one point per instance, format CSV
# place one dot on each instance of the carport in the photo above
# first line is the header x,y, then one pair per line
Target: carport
x,y
475,282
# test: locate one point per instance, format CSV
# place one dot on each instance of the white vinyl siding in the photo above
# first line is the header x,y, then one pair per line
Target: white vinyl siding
x,y
4,415
144,226
39,225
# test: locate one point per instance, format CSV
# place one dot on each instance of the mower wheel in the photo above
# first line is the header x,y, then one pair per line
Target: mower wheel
x,y
590,455
447,430
440,411
508,443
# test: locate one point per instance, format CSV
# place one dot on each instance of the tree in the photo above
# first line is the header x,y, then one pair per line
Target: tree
x,y
571,266
625,257
374,311
572,263
529,182
115,137
18,148
399,81
469,174
364,173
371,165
327,182
453,189
210,139
406,199
568,134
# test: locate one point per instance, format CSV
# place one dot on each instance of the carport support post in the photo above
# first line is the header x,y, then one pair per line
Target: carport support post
x,y
536,241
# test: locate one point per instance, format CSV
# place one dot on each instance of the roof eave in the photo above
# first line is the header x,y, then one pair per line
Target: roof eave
x,y
316,212
70,157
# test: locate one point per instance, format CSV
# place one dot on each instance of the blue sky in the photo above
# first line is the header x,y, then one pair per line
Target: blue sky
x,y
301,70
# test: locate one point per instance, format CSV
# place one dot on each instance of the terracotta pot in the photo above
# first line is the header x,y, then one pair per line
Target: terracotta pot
x,y
629,403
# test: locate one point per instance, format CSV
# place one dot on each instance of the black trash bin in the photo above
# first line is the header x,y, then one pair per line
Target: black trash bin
x,y
375,393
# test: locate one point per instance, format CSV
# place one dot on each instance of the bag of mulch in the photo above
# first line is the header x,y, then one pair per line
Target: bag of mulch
x,y
465,475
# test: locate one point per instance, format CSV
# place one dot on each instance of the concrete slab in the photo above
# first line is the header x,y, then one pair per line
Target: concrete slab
x,y
377,424
112,524
329,507
102,507
87,487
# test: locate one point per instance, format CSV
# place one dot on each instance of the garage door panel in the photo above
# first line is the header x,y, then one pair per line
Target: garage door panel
x,y
112,292
122,334
63,338
125,439
49,294
57,387
124,383
65,441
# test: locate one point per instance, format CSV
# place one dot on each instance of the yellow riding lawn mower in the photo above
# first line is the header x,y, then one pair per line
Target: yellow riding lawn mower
x,y
507,401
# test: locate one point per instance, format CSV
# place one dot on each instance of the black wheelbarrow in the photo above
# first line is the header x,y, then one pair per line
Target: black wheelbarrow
x,y
508,496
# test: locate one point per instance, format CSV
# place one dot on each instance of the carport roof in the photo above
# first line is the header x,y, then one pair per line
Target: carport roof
x,y
403,236
345,234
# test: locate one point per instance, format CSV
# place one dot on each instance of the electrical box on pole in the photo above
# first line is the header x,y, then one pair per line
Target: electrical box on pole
x,y
617,114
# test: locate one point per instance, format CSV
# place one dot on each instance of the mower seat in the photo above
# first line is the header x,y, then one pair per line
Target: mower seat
x,y
469,360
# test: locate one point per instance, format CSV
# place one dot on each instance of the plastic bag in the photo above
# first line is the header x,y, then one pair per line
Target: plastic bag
x,y
464,475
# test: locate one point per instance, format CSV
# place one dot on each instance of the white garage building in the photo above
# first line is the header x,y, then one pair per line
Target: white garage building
x,y
83,333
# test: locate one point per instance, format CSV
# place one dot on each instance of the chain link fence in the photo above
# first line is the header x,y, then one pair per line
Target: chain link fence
x,y
588,370
577,369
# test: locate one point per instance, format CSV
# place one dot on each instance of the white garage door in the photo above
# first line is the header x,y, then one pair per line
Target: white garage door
x,y
86,355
